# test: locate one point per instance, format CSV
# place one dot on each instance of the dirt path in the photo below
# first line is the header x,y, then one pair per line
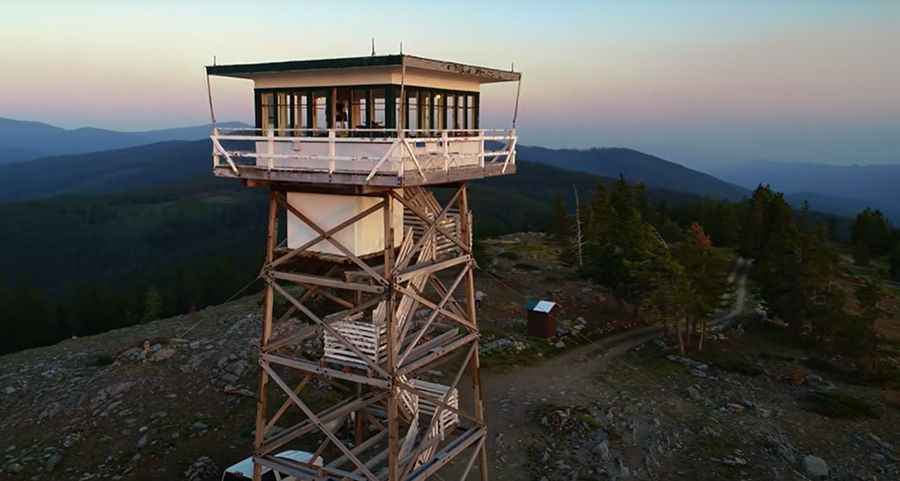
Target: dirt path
x,y
567,379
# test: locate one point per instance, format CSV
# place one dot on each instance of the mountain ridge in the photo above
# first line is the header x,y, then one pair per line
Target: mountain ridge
x,y
858,185
634,165
26,140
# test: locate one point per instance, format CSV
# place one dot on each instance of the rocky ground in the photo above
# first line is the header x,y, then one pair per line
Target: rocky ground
x,y
652,414
143,402
175,398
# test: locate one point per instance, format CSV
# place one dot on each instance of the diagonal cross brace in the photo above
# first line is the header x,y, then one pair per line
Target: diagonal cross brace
x,y
374,366
315,419
356,260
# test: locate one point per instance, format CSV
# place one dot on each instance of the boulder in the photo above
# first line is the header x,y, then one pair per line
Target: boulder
x,y
815,467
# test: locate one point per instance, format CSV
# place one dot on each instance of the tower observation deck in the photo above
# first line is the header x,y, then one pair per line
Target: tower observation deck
x,y
373,273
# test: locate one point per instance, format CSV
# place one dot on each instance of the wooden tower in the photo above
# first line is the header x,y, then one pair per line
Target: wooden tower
x,y
378,267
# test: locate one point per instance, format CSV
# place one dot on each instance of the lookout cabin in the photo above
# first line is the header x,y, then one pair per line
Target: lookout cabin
x,y
387,120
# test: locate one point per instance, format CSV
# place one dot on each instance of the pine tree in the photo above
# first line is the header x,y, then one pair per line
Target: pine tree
x,y
601,217
894,262
152,305
562,222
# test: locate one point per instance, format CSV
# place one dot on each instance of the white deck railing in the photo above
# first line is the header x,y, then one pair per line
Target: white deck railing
x,y
363,151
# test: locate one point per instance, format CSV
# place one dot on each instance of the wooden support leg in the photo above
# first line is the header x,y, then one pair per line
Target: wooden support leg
x,y
393,415
268,305
475,365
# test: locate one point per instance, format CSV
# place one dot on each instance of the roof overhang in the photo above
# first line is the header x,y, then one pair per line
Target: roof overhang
x,y
469,72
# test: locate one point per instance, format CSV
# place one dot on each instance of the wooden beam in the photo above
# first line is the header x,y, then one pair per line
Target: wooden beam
x,y
268,307
475,365
320,370
326,282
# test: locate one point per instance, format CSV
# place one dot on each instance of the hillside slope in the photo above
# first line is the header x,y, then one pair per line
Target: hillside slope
x,y
635,166
121,170
25,140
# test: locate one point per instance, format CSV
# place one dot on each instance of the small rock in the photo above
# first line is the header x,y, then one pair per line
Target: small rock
x,y
9,390
815,467
203,469
602,449
162,354
142,442
53,461
694,393
198,427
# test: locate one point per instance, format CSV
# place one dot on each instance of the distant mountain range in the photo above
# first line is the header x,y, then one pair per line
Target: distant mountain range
x,y
841,189
24,140
38,160
635,166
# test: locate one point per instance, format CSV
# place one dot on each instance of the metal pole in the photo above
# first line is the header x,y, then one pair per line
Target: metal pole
x,y
212,113
516,110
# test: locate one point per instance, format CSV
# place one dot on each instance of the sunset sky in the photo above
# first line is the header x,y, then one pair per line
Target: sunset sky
x,y
694,82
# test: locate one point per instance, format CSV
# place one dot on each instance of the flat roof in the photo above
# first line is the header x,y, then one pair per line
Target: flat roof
x,y
249,70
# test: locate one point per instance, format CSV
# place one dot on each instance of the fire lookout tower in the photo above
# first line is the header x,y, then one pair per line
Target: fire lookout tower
x,y
378,268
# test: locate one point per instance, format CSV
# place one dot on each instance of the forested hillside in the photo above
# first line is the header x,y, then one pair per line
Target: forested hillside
x,y
115,238
81,264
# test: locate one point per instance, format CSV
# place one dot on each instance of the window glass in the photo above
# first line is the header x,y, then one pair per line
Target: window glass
x,y
266,112
438,111
426,110
283,110
298,112
342,109
470,112
379,119
412,107
451,112
359,111
320,109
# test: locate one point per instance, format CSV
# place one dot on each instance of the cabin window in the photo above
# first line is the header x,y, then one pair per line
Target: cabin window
x,y
359,109
320,110
343,109
283,109
412,110
299,107
379,114
266,112
427,113
438,113
376,107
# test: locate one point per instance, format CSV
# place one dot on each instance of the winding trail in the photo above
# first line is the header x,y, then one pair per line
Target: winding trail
x,y
567,379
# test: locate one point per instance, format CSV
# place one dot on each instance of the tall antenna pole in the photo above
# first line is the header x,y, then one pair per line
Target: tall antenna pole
x,y
578,240
373,46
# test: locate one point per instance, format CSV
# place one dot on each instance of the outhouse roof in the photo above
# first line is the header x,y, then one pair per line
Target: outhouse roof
x,y
540,306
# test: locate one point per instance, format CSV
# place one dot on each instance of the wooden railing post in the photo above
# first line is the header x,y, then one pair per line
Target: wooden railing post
x,y
271,147
481,148
445,141
331,150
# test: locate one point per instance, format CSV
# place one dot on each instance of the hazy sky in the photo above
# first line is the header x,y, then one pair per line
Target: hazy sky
x,y
695,82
